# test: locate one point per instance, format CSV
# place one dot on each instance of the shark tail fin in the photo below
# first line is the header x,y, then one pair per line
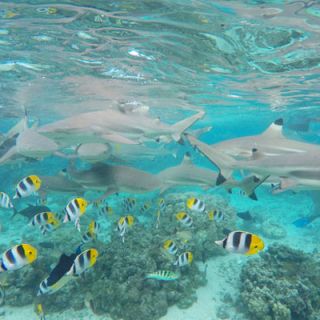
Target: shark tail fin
x,y
179,128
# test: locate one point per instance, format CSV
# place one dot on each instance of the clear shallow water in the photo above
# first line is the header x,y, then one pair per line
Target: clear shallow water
x,y
245,63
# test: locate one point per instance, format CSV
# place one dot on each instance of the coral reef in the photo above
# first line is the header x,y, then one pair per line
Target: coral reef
x,y
116,285
283,284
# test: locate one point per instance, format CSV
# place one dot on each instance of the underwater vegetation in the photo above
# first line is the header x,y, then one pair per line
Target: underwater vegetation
x,y
283,284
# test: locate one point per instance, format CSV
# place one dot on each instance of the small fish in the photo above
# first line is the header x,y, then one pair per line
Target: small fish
x,y
5,201
31,211
57,277
184,259
40,312
197,205
44,218
17,257
91,233
27,186
216,215
245,215
241,242
184,218
74,210
162,204
170,246
162,275
158,219
123,223
83,261
105,211
145,207
302,222
129,204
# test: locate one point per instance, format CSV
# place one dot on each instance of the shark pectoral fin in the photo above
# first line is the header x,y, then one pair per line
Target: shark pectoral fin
x,y
8,155
222,161
179,128
117,138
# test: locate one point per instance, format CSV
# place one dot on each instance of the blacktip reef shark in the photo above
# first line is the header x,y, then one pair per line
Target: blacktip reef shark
x,y
188,174
25,143
121,125
114,178
296,170
271,142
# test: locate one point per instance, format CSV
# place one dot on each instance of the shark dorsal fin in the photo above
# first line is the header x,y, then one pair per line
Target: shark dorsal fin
x,y
274,130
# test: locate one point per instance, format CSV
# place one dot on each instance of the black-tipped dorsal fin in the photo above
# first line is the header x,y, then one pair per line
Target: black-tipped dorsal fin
x,y
274,130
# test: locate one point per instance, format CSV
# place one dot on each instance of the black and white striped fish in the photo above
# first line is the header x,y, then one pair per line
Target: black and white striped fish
x,y
17,257
184,218
184,259
195,204
27,186
83,261
74,210
5,201
242,242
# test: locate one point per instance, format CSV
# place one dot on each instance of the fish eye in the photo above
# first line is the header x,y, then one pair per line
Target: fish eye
x,y
30,252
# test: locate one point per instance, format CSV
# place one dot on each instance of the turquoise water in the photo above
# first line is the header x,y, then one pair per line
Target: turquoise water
x,y
145,66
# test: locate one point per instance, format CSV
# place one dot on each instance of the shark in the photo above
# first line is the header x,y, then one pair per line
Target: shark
x,y
272,142
118,125
112,179
189,174
295,170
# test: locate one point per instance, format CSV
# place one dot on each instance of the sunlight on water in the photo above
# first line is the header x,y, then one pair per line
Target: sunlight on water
x,y
136,136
